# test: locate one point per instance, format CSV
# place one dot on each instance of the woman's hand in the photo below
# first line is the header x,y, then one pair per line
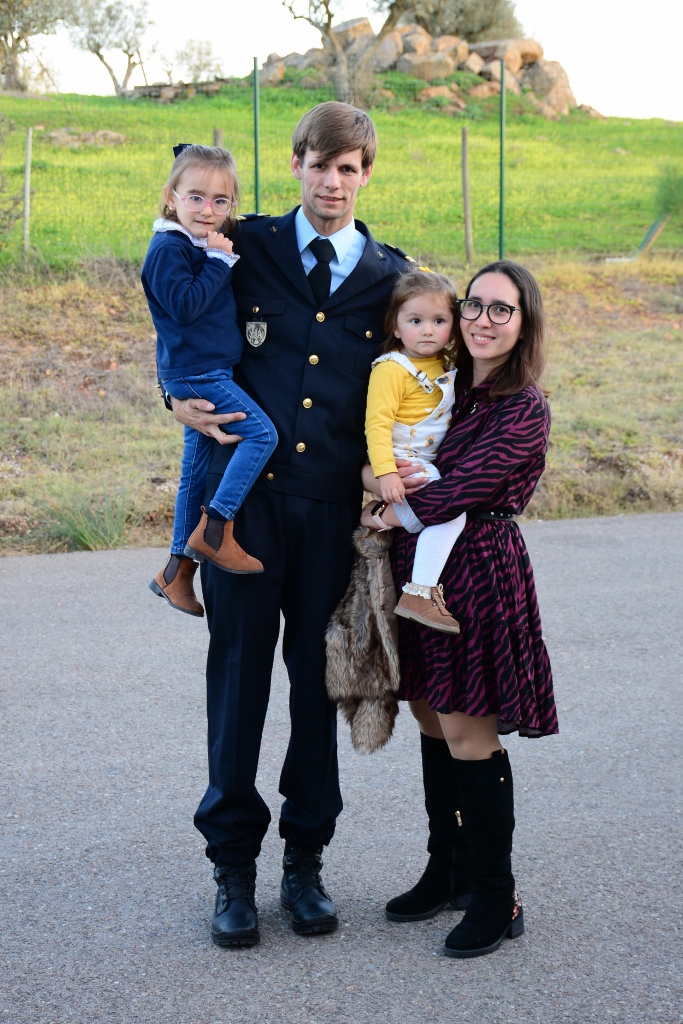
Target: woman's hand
x,y
216,240
196,413
389,517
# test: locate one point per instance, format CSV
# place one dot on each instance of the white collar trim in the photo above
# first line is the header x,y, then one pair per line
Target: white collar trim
x,y
162,224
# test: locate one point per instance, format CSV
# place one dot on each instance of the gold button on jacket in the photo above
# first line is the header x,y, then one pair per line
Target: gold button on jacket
x,y
313,360
255,309
320,317
368,334
270,476
307,403
301,447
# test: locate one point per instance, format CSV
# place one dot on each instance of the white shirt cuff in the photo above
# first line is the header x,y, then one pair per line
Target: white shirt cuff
x,y
230,258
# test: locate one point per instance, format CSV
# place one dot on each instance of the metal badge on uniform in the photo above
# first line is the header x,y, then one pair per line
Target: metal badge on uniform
x,y
256,332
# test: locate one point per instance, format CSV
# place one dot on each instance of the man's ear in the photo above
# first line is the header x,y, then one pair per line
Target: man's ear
x,y
366,175
295,164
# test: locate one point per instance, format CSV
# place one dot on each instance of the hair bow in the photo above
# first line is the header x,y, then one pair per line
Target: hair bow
x,y
177,150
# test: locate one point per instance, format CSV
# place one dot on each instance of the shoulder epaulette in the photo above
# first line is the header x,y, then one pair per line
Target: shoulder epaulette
x,y
251,216
405,256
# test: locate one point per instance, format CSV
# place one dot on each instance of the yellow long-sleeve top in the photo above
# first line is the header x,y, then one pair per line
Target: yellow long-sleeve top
x,y
394,394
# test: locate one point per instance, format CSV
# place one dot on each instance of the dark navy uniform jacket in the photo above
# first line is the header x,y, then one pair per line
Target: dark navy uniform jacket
x,y
311,373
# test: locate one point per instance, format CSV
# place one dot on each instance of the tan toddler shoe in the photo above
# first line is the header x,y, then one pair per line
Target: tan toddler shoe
x,y
428,611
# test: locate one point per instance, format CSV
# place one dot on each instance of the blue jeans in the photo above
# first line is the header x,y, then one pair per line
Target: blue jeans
x,y
251,454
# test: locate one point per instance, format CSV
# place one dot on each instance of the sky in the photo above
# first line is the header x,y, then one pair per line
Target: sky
x,y
614,54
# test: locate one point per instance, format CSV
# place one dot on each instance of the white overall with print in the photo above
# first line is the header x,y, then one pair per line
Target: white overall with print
x,y
420,443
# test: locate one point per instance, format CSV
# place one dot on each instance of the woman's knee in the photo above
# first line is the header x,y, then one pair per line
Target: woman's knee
x,y
470,738
427,719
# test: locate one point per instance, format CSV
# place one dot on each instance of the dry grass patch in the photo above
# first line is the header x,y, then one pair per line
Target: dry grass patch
x,y
81,414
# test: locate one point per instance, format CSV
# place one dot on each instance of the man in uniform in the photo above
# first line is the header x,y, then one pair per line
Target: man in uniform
x,y
311,289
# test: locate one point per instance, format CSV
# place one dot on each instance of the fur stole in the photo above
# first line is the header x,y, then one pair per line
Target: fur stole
x,y
362,674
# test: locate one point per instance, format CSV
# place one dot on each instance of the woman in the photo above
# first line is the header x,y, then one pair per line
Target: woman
x,y
494,676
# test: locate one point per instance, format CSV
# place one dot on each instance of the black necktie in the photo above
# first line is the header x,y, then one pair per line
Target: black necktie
x,y
321,275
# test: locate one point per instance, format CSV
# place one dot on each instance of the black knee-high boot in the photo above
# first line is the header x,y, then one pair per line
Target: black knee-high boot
x,y
495,911
446,879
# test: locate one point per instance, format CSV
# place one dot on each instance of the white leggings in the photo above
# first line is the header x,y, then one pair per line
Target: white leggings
x,y
434,545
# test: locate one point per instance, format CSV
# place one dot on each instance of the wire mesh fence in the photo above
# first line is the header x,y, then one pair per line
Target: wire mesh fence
x,y
574,186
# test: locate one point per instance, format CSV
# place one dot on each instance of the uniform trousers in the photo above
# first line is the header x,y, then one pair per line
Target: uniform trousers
x,y
305,547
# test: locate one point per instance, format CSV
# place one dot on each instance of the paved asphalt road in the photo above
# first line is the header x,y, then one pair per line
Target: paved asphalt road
x,y
105,894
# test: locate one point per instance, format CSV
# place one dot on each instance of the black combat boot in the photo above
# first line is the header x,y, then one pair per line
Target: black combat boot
x,y
303,892
235,921
495,911
446,879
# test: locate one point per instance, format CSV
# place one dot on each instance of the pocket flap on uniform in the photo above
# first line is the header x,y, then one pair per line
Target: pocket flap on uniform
x,y
364,327
259,305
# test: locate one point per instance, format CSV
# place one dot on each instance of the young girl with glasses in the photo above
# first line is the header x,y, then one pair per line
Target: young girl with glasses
x,y
186,277
493,677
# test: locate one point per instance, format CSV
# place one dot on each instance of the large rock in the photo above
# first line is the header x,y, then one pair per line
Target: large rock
x,y
592,112
426,66
434,92
316,58
515,52
474,63
347,31
492,72
486,89
388,52
272,72
358,46
456,48
548,80
417,40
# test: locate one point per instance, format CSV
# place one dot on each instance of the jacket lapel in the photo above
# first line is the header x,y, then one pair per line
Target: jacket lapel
x,y
284,250
372,267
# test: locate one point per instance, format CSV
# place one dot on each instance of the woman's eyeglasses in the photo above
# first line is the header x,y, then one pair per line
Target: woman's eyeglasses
x,y
198,203
498,312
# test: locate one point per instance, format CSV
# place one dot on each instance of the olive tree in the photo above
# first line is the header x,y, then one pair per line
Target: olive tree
x,y
99,27
20,20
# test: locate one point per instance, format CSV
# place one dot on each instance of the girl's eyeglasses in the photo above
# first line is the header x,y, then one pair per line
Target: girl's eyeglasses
x,y
198,203
499,312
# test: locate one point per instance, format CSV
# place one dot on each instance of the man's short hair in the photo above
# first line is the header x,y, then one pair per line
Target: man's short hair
x,y
333,128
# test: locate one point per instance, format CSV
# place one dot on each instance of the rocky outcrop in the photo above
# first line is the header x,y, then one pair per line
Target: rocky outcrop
x,y
410,50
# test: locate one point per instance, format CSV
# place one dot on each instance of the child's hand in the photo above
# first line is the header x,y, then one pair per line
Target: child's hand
x,y
392,487
216,240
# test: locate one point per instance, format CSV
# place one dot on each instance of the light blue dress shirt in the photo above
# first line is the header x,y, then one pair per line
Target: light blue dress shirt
x,y
348,245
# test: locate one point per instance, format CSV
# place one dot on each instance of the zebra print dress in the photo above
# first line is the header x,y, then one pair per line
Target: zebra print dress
x,y
492,457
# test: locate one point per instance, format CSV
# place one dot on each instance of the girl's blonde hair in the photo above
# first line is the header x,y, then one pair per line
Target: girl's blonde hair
x,y
409,285
211,158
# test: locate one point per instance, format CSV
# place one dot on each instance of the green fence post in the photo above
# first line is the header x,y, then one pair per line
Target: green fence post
x,y
501,213
257,129
27,190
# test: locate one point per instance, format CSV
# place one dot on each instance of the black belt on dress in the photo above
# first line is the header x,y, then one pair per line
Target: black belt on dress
x,y
495,514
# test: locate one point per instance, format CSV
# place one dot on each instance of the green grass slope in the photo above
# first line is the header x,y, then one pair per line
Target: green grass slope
x,y
574,186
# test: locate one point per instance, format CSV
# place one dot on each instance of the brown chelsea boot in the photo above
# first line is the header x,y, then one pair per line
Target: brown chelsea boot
x,y
179,592
213,541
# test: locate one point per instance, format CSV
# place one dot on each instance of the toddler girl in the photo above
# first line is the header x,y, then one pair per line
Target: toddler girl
x,y
410,398
186,277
